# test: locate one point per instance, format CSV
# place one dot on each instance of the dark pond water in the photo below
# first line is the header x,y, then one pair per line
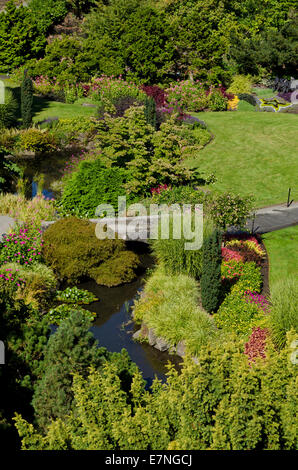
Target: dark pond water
x,y
114,327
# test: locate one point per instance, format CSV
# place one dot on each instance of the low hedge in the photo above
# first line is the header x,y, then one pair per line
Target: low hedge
x,y
236,313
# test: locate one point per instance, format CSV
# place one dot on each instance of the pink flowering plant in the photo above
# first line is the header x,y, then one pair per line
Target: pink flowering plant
x,y
108,89
23,245
187,95
11,280
257,299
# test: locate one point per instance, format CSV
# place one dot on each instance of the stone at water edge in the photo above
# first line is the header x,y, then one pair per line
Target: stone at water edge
x,y
137,334
152,337
180,350
161,344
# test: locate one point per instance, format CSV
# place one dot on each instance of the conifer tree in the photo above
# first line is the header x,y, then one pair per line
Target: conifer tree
x,y
211,272
150,111
71,349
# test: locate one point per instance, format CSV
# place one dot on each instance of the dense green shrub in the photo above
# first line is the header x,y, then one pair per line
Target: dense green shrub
x,y
48,13
211,272
36,140
231,209
173,255
140,51
283,312
137,159
221,403
20,37
150,111
65,60
8,110
91,185
119,269
72,348
216,101
73,251
273,50
240,84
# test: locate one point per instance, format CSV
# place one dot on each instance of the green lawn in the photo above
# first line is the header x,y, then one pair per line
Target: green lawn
x,y
283,255
252,152
265,93
44,109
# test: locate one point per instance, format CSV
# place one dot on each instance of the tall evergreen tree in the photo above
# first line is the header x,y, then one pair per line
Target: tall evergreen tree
x,y
27,100
71,349
211,272
150,111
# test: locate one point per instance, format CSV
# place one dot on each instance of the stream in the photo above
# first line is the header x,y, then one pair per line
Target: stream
x,y
114,326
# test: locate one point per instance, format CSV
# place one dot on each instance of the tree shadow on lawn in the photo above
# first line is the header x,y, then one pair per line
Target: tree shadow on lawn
x,y
40,104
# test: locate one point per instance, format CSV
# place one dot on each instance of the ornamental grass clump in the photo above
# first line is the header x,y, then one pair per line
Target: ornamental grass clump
x,y
30,211
283,312
34,284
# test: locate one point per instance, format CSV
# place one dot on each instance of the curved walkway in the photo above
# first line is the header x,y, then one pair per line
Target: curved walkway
x,y
266,220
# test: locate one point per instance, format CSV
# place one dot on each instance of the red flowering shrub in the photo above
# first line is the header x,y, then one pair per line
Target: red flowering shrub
x,y
229,254
245,249
231,269
256,345
157,93
159,189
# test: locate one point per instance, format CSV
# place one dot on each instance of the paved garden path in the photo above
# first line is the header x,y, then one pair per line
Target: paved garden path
x,y
266,220
5,223
274,218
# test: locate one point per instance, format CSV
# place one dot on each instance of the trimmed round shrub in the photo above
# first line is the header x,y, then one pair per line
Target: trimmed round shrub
x,y
72,250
